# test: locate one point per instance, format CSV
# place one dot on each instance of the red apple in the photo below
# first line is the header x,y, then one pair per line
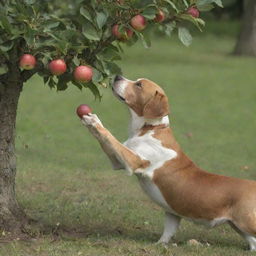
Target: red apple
x,y
57,67
27,61
127,34
193,11
83,73
83,109
160,16
138,22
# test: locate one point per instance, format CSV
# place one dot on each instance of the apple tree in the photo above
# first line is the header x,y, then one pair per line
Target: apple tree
x,y
71,43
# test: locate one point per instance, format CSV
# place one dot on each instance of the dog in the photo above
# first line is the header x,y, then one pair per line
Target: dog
x,y
167,175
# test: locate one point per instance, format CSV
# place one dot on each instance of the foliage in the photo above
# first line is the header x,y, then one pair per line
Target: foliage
x,y
79,31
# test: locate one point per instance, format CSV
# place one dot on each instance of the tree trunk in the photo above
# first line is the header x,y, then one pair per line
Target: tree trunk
x,y
246,43
12,216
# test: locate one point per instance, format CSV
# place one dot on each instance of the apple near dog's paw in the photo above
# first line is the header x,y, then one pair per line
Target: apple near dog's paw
x,y
83,74
57,67
83,109
193,11
160,16
27,61
138,22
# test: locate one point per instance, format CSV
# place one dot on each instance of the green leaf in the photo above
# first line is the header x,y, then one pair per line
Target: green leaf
x,y
78,85
29,35
142,3
62,85
51,82
196,21
5,24
49,25
63,81
186,3
94,89
145,40
205,8
46,79
76,61
172,5
7,46
111,68
97,76
219,3
29,2
150,13
84,12
201,3
111,53
90,32
184,36
101,19
3,69
169,27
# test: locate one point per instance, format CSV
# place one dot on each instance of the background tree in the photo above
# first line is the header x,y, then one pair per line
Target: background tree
x,y
87,33
246,43
232,9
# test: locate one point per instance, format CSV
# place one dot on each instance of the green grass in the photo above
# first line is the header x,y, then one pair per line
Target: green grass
x,y
66,182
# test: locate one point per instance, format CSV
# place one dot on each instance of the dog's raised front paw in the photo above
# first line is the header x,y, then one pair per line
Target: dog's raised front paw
x,y
91,120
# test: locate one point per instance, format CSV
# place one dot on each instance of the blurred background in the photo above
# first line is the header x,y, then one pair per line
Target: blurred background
x,y
243,14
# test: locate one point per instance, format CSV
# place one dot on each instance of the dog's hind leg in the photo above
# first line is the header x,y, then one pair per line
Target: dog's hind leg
x,y
252,242
249,238
171,225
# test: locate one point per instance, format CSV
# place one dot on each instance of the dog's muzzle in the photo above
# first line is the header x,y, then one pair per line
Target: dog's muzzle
x,y
117,87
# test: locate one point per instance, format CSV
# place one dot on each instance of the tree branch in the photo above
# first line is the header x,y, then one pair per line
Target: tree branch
x,y
169,20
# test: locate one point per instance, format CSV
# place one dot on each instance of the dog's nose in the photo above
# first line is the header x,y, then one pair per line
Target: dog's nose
x,y
118,78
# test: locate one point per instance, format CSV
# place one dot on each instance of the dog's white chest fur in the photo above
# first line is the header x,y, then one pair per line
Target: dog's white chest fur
x,y
151,149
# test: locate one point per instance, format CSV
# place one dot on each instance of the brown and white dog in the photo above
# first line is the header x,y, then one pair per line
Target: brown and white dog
x,y
166,174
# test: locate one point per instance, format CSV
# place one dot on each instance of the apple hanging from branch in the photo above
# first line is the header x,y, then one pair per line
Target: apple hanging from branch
x,y
83,74
138,22
122,36
57,67
27,61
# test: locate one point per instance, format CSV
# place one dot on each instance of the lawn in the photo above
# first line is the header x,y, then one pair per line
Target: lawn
x,y
66,183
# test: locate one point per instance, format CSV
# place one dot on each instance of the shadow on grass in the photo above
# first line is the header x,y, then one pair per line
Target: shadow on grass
x,y
106,232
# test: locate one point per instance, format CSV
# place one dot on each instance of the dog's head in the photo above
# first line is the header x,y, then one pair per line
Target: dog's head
x,y
143,96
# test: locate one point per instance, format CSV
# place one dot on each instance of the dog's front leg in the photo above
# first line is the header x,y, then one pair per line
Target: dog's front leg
x,y
171,225
119,155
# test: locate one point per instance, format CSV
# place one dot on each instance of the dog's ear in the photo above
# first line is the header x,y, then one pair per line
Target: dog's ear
x,y
156,107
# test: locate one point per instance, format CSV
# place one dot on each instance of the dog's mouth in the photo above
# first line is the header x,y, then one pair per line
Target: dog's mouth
x,y
121,98
118,96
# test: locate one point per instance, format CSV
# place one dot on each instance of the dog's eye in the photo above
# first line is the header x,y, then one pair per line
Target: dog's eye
x,y
139,84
